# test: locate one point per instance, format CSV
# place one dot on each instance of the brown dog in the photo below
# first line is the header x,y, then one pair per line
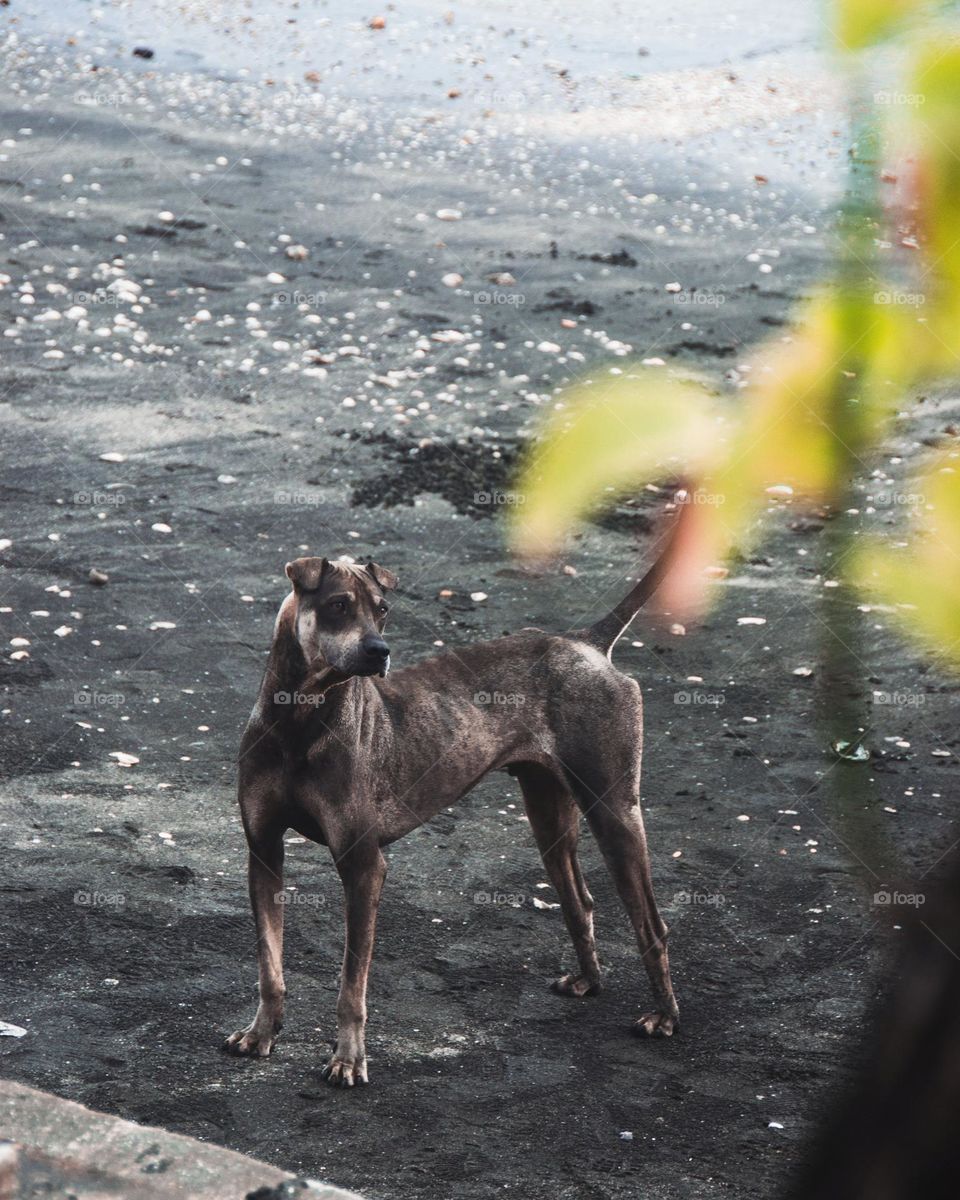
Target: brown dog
x,y
354,760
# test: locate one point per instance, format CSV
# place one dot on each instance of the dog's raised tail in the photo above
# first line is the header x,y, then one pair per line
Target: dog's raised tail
x,y
605,633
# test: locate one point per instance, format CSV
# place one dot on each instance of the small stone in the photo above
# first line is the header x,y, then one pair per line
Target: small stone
x,y
478,597
97,578
298,253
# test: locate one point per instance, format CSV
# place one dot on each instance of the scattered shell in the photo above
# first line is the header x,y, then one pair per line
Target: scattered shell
x,y
124,759
98,578
452,280
478,597
161,527
113,456
751,620
851,751
678,630
780,491
448,214
538,903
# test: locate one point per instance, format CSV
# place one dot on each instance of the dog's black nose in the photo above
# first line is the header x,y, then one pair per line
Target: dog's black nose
x,y
376,647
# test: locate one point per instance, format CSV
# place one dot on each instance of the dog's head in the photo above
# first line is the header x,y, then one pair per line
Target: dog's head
x,y
340,614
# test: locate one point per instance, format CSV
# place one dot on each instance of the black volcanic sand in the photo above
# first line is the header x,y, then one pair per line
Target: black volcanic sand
x,y
126,938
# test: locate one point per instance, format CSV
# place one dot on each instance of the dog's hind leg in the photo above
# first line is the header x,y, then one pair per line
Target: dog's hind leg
x,y
555,821
615,819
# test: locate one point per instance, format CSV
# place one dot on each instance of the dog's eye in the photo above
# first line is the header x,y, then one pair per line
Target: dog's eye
x,y
384,608
338,606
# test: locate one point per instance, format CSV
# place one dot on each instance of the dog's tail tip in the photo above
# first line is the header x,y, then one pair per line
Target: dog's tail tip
x,y
605,633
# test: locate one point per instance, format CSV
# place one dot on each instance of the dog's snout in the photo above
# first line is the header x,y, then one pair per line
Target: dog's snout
x,y
376,647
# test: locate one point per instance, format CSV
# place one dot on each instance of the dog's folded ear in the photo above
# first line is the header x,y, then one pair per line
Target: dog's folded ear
x,y
305,573
386,579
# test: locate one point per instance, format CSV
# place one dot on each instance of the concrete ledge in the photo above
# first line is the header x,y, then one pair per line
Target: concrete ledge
x,y
59,1148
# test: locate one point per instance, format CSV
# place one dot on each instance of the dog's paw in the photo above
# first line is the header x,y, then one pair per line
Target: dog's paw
x,y
343,1072
656,1024
250,1042
576,985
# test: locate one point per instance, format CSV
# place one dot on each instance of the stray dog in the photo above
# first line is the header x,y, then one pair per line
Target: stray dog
x,y
354,759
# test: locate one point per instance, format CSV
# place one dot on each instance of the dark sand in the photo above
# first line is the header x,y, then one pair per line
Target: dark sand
x,y
126,939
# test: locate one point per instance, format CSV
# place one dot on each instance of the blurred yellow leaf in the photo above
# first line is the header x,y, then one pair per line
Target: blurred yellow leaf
x,y
935,126
818,395
923,581
611,438
860,23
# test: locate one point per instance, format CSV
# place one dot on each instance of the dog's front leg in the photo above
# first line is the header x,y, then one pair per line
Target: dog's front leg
x,y
362,871
265,876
